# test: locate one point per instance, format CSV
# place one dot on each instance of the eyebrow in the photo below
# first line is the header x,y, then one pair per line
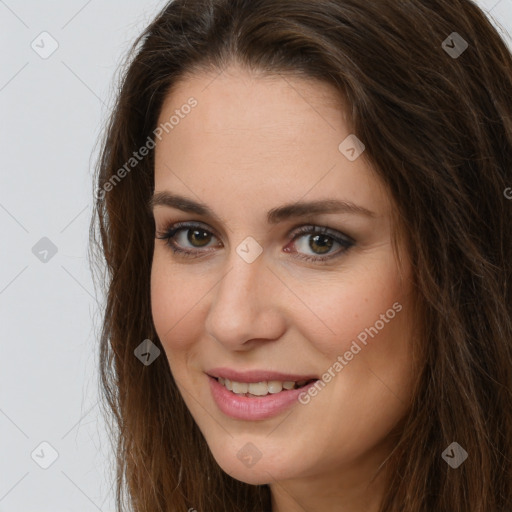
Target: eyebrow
x,y
275,215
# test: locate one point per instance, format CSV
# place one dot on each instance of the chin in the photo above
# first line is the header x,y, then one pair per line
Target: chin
x,y
250,465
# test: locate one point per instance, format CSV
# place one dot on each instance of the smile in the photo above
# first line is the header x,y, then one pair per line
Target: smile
x,y
255,399
255,389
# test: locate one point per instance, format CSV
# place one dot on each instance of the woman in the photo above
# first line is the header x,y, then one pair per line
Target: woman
x,y
303,209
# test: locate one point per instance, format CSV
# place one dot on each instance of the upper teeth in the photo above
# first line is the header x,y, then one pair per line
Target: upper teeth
x,y
260,388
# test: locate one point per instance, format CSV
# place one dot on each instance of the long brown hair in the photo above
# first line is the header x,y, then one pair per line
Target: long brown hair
x,y
435,116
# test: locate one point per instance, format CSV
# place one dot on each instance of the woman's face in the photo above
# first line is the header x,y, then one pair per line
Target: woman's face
x,y
246,304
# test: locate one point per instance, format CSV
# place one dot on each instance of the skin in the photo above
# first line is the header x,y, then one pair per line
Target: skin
x,y
251,144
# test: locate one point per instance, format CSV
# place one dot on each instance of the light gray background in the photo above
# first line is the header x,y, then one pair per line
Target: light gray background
x,y
52,111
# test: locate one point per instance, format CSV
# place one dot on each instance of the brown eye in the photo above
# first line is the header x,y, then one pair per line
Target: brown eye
x,y
321,244
198,237
179,242
319,241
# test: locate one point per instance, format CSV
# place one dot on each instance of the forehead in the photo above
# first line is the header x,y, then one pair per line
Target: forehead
x,y
270,137
274,109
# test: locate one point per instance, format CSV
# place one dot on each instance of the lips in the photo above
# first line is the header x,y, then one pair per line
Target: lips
x,y
256,395
254,376
253,408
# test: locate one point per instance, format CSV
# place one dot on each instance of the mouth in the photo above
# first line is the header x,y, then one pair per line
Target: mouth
x,y
261,388
257,399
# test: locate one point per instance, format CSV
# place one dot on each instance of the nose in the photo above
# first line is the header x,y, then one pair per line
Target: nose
x,y
246,306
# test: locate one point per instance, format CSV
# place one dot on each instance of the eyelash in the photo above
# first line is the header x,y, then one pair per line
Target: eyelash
x,y
170,232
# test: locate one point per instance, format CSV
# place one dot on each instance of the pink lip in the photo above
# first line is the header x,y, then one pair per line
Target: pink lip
x,y
257,375
253,409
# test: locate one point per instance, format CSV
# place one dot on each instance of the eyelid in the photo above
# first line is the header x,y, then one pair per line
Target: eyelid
x,y
167,225
319,230
302,228
304,225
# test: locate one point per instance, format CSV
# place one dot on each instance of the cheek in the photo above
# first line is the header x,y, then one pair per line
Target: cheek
x,y
367,303
175,304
